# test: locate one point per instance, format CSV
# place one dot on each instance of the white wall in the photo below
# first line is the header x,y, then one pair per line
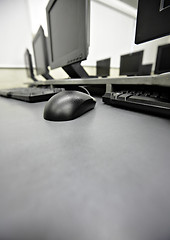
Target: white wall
x,y
37,11
15,32
111,34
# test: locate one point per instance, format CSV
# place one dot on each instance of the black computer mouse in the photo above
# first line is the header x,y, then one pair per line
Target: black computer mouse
x,y
68,105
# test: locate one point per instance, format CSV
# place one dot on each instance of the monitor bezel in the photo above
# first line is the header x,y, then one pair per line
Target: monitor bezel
x,y
29,68
150,26
108,60
80,55
145,69
40,34
134,73
158,59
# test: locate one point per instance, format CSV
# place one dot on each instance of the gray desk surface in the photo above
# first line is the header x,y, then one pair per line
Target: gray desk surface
x,y
103,176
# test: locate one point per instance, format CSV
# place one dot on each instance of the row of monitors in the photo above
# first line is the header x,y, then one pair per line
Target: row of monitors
x,y
41,57
130,64
68,24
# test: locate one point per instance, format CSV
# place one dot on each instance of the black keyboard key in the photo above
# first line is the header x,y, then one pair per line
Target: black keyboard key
x,y
115,95
124,96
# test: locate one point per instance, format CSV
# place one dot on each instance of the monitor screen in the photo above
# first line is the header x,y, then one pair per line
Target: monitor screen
x,y
130,63
145,70
68,30
163,59
103,67
28,64
153,19
40,52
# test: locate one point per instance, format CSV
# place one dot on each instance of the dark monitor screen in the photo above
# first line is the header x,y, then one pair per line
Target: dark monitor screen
x,y
103,67
69,30
153,20
40,52
28,64
163,59
145,70
130,63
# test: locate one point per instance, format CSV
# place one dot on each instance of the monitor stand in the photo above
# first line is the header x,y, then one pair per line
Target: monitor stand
x,y
75,70
33,78
47,76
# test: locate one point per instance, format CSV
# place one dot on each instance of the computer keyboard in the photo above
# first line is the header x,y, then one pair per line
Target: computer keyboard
x,y
143,101
30,94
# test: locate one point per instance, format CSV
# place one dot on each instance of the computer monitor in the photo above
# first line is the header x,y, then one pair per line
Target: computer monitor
x,y
69,33
41,54
103,67
153,19
130,63
145,70
28,65
163,59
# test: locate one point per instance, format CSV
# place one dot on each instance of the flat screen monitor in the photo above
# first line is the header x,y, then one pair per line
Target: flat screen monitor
x,y
130,63
69,31
163,59
103,67
40,53
145,70
153,20
28,65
